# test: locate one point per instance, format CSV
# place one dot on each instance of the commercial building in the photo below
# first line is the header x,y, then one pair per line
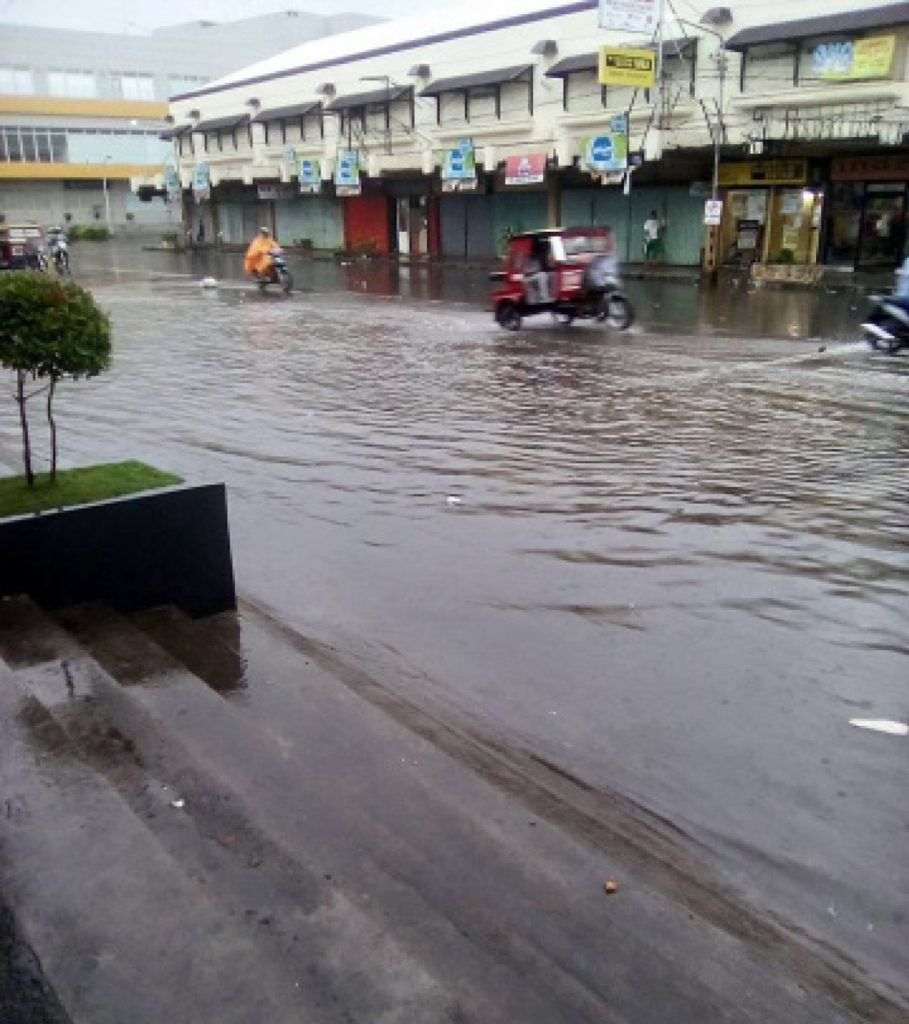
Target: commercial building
x,y
440,133
81,113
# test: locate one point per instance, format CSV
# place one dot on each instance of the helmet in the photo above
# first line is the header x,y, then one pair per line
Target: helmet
x,y
264,231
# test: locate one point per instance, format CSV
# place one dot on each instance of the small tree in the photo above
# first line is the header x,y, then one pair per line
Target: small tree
x,y
49,329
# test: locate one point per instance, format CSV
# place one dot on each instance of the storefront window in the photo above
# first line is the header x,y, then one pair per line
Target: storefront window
x,y
795,222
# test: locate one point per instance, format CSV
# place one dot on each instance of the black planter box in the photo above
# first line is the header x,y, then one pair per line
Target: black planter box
x,y
170,546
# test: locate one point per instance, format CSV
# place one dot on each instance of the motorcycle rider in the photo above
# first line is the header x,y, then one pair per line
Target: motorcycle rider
x,y
57,243
258,261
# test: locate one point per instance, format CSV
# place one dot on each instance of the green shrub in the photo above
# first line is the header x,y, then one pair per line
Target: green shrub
x,y
49,329
88,233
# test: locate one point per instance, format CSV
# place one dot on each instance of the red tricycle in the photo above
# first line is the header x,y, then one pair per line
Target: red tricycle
x,y
571,273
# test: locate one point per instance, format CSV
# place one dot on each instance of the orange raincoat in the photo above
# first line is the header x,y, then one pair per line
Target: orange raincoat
x,y
257,259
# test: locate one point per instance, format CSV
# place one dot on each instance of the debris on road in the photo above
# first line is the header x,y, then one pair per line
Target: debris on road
x,y
881,725
179,804
208,282
452,499
611,886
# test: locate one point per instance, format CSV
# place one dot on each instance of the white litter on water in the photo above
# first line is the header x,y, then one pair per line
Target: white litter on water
x,y
452,500
177,803
881,725
208,282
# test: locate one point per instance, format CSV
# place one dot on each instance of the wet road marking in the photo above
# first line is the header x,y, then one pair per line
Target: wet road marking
x,y
881,725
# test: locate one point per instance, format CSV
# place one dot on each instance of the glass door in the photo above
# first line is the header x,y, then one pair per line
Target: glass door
x,y
883,228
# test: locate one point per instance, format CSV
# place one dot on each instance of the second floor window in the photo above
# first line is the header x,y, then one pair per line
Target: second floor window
x,y
135,87
72,83
16,81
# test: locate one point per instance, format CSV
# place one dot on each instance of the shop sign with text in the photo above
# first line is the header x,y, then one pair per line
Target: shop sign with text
x,y
890,167
347,173
309,174
608,152
765,172
528,169
847,60
629,15
622,65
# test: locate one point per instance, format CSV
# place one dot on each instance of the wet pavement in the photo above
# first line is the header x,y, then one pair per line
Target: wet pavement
x,y
672,562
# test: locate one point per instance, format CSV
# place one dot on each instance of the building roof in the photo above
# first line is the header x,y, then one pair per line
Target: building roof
x,y
828,24
591,61
435,25
475,81
367,99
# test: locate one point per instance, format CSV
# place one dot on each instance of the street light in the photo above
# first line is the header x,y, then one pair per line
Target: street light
x,y
106,161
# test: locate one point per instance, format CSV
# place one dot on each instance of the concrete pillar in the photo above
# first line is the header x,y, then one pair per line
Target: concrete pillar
x,y
553,199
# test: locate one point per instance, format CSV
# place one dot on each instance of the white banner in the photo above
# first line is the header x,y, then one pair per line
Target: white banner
x,y
629,15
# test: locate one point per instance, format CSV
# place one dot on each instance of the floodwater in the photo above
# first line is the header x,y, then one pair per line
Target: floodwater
x,y
673,561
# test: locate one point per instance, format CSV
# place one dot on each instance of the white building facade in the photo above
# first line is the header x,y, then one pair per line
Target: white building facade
x,y
360,140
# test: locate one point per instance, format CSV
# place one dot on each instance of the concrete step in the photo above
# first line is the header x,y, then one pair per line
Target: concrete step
x,y
416,890
511,865
297,917
119,928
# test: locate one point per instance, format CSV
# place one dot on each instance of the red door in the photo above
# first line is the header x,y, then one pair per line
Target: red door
x,y
366,223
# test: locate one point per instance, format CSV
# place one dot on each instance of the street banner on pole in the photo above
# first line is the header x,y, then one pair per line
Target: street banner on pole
x,y
201,183
713,212
622,65
172,182
347,173
608,152
459,164
529,169
629,15
309,174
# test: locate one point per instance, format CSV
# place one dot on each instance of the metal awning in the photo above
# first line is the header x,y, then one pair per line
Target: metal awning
x,y
579,62
498,77
221,123
591,61
294,110
826,25
176,131
367,99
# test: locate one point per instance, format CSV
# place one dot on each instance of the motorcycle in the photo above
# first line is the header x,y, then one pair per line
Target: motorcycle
x,y
41,261
887,329
61,257
277,273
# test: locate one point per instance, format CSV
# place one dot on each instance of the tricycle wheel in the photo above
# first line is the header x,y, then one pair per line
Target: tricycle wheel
x,y
617,311
508,316
565,319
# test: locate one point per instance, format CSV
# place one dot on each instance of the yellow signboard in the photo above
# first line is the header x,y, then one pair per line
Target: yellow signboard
x,y
765,172
621,65
848,60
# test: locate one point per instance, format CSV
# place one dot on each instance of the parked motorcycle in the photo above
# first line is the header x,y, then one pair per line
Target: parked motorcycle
x,y
277,273
887,329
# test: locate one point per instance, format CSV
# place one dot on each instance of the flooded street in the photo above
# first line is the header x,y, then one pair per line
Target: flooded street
x,y
673,562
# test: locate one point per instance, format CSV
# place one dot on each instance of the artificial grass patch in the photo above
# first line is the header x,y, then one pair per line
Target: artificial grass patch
x,y
80,486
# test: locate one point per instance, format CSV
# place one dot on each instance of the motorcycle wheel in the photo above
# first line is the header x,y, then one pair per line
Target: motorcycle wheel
x,y
262,283
287,282
890,346
617,312
509,316
565,319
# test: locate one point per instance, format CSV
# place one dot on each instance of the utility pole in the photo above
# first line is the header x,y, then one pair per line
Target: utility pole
x,y
658,92
387,80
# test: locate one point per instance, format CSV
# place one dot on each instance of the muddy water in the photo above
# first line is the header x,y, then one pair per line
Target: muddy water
x,y
674,560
